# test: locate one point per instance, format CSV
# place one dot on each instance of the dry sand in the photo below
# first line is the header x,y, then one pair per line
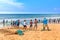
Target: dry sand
x,y
54,34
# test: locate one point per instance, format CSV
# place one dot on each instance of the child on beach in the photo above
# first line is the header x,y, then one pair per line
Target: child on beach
x,y
45,24
35,24
31,24
25,24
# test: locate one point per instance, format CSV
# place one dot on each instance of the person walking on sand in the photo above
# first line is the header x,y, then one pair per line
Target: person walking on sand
x,y
31,24
45,24
25,24
35,24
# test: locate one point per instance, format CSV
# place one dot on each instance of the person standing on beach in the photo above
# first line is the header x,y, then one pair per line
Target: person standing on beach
x,y
6,21
45,24
35,24
25,24
11,23
18,23
3,22
14,24
31,24
50,20
39,21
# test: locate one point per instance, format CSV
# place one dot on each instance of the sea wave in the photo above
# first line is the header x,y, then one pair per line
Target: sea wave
x,y
21,19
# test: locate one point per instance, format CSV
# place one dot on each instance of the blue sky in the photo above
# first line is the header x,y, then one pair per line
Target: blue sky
x,y
29,6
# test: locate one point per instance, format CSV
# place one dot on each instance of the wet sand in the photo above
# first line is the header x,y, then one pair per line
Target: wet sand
x,y
54,34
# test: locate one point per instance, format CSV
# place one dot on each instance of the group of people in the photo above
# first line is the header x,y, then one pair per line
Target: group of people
x,y
17,24
54,20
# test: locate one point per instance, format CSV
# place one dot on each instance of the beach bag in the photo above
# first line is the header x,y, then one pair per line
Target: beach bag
x,y
20,32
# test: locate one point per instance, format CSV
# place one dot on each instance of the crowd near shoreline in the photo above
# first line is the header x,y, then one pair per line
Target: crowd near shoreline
x,y
45,22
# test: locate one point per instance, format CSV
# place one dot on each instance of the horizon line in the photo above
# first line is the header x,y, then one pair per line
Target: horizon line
x,y
29,12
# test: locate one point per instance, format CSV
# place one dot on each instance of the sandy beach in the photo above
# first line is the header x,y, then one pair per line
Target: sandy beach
x,y
54,34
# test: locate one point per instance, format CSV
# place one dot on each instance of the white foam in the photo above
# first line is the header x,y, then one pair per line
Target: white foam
x,y
29,18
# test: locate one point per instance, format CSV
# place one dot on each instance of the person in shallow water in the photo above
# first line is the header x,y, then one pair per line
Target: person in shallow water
x,y
14,24
3,22
18,23
11,22
45,24
39,21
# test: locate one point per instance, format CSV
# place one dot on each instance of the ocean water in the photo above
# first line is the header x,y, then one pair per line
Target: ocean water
x,y
27,17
